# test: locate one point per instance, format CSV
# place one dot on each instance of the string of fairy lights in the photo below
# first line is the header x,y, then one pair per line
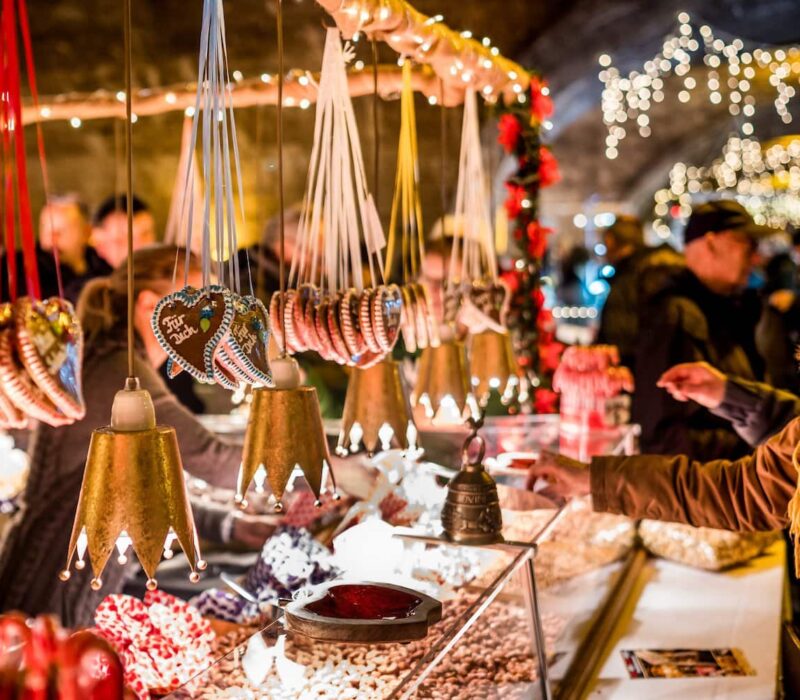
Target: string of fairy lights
x,y
697,56
765,178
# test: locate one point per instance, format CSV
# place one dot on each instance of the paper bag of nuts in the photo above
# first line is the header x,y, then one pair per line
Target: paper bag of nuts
x,y
703,547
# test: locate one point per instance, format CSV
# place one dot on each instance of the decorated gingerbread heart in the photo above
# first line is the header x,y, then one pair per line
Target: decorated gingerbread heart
x,y
50,343
20,388
247,344
387,312
190,324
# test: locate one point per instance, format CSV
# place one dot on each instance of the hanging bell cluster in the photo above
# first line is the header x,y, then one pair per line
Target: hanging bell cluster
x,y
133,494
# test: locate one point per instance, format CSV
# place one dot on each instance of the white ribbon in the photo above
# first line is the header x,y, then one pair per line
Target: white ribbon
x,y
473,236
338,214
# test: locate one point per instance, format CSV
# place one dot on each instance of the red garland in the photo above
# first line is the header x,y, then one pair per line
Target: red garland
x,y
548,168
509,132
532,326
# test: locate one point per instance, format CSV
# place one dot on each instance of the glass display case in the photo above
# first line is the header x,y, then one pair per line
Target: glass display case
x,y
524,619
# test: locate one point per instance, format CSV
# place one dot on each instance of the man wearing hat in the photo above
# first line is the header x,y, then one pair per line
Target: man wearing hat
x,y
637,270
700,314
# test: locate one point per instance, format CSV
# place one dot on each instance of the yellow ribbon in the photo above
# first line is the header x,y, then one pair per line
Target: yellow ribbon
x,y
406,208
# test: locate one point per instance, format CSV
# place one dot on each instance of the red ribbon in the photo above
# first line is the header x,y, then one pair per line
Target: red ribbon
x,y
8,185
12,93
26,42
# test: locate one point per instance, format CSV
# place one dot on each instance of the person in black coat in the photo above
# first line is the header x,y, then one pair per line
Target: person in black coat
x,y
700,315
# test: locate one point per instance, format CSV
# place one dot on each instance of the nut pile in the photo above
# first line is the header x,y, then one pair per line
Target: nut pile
x,y
497,650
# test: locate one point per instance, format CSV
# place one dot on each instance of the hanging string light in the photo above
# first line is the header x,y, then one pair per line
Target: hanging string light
x,y
765,178
133,492
729,73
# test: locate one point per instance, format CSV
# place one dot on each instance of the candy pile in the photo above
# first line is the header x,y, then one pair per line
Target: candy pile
x,y
290,559
587,378
162,641
41,349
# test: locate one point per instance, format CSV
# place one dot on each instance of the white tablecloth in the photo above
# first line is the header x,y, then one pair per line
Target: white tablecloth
x,y
681,607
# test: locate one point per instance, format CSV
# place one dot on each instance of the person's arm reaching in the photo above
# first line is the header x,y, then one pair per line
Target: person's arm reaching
x,y
755,410
751,493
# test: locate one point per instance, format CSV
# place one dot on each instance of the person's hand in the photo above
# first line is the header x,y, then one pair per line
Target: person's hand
x,y
781,300
566,477
253,530
695,381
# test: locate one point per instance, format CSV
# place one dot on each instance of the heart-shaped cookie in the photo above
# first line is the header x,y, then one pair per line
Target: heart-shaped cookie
x,y
295,337
426,317
50,343
190,324
11,417
342,354
310,317
224,373
490,299
20,388
387,314
248,341
350,322
365,320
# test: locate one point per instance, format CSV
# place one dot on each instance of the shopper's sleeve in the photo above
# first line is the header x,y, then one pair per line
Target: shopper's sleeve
x,y
213,522
204,455
751,493
756,410
672,334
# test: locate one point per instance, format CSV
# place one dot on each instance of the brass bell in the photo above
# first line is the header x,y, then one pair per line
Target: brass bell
x,y
493,366
377,413
284,433
133,493
471,513
442,392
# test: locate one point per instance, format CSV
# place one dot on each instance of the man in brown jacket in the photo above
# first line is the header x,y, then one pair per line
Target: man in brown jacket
x,y
751,493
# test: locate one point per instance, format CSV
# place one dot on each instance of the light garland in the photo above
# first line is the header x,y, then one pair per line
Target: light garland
x,y
764,178
729,74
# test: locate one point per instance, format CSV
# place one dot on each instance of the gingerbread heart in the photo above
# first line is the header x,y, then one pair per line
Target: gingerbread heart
x,y
190,324
50,343
335,329
326,349
425,316
350,322
20,388
387,314
490,300
310,317
11,417
224,373
365,320
248,342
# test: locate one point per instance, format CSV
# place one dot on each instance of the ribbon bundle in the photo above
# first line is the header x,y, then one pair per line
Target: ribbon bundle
x,y
215,333
418,325
473,290
328,307
41,342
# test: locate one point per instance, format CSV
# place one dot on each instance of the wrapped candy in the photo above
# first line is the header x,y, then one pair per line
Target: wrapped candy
x,y
290,560
161,640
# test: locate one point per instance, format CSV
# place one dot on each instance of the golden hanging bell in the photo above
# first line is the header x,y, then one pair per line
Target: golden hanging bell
x,y
442,393
133,493
493,366
284,433
376,410
471,512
